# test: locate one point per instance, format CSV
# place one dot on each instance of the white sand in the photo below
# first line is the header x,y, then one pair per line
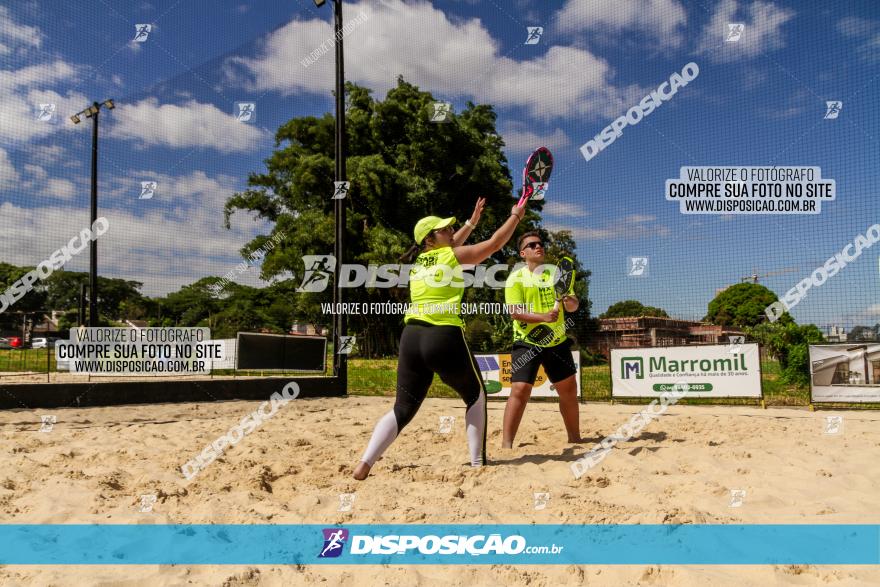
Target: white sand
x,y
96,463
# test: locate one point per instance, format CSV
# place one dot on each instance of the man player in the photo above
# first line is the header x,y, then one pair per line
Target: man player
x,y
538,339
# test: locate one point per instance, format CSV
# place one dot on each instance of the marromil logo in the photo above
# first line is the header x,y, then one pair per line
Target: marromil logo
x,y
632,365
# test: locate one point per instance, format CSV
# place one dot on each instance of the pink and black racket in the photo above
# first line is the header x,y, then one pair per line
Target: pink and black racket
x,y
538,167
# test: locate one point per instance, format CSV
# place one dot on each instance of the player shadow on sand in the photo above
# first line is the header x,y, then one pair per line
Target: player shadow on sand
x,y
575,453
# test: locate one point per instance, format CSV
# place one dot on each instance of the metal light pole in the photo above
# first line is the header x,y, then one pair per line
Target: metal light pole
x,y
340,363
92,112
82,304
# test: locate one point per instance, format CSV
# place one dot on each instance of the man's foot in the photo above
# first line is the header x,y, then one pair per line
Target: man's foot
x,y
507,445
361,471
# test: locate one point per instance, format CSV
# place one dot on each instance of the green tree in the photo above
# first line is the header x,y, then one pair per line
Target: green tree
x,y
742,306
118,299
864,333
632,308
789,344
401,167
190,305
29,302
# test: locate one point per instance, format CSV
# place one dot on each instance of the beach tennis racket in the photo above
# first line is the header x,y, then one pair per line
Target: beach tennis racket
x,y
563,285
538,167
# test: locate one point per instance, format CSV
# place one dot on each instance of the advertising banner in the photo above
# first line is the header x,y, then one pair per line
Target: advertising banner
x,y
732,370
847,372
496,370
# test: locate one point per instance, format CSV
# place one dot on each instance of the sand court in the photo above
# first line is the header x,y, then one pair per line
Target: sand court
x,y
696,464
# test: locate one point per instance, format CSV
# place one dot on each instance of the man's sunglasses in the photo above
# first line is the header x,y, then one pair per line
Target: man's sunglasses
x,y
534,245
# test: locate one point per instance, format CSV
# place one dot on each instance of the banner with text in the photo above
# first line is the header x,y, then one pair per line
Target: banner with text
x,y
731,370
496,370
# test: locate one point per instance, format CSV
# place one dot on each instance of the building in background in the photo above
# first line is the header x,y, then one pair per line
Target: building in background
x,y
652,331
835,334
302,328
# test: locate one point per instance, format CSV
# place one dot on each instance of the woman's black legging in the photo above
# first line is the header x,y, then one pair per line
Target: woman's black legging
x,y
424,351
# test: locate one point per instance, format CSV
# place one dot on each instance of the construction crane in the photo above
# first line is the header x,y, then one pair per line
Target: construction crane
x,y
754,276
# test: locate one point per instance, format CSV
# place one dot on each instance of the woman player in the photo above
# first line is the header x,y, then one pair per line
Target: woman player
x,y
433,336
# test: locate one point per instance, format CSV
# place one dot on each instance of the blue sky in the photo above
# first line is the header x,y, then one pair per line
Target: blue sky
x,y
760,101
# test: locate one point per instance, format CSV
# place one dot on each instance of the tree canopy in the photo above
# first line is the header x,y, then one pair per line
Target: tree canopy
x,y
401,167
790,344
864,333
632,308
742,306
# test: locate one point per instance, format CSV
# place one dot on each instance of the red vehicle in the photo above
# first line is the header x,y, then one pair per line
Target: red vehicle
x,y
15,342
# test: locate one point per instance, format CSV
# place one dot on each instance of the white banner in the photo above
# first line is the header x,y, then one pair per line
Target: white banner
x,y
732,370
495,370
848,372
228,360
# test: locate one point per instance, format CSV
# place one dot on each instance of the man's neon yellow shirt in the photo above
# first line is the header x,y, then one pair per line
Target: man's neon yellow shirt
x,y
535,292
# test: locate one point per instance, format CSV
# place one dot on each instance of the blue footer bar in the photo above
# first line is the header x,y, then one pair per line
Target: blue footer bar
x,y
758,544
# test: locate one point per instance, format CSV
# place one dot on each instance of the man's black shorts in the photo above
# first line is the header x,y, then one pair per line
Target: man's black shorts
x,y
526,359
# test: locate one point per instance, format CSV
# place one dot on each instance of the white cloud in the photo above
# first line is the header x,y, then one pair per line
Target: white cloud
x,y
194,190
61,188
449,58
44,73
661,20
873,310
48,154
192,124
853,26
762,32
519,139
23,90
35,172
865,30
632,227
36,182
564,209
163,247
8,175
17,35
